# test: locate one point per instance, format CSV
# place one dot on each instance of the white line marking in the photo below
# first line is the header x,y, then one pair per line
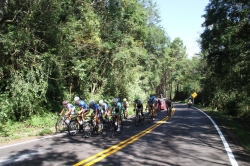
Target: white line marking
x,y
33,140
227,148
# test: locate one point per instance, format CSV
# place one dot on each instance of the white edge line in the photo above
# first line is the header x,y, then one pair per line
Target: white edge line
x,y
33,140
227,148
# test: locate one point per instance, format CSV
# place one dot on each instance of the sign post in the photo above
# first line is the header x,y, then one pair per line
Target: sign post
x,y
194,95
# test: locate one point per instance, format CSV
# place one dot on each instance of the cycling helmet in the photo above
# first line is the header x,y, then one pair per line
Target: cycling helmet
x,y
136,98
76,99
65,102
101,102
115,100
124,99
91,102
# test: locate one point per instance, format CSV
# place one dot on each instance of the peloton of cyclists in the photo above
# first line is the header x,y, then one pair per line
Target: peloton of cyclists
x,y
115,109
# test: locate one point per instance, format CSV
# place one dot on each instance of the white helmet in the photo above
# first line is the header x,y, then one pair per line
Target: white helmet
x,y
91,102
76,99
124,99
101,102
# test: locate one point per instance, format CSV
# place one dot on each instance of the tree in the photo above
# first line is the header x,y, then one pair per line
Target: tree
x,y
225,43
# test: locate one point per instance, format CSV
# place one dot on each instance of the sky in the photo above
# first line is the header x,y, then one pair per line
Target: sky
x,y
182,18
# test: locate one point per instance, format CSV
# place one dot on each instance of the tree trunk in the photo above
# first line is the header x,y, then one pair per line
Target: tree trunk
x,y
1,9
93,88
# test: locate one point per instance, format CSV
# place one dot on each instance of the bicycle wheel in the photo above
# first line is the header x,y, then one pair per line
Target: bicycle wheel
x,y
60,125
87,129
142,119
170,112
151,116
105,126
73,127
137,120
111,128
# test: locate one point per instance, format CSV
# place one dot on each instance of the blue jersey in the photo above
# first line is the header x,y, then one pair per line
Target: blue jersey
x,y
95,107
152,100
83,105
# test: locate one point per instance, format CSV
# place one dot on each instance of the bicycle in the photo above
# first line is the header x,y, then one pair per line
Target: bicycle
x,y
139,119
90,127
62,124
170,110
113,125
105,124
74,127
149,116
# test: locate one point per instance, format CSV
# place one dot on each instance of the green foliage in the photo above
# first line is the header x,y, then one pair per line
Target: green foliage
x,y
45,132
226,48
46,120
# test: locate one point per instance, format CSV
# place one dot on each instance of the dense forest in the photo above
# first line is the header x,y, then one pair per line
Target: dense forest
x,y
99,49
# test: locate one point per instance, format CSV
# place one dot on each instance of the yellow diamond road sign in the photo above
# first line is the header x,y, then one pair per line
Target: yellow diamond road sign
x,y
194,95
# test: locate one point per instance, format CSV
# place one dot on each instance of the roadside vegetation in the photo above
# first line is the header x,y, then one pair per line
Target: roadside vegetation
x,y
56,50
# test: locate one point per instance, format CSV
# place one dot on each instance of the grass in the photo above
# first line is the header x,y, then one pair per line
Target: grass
x,y
35,126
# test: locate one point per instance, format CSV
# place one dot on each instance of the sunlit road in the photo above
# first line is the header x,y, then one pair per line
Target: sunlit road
x,y
188,138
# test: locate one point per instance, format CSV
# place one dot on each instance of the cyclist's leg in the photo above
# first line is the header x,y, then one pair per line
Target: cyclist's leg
x,y
80,117
98,122
126,112
141,109
154,111
118,120
119,123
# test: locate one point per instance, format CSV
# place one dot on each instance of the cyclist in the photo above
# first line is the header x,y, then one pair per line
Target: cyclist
x,y
96,113
70,109
159,104
125,106
84,109
116,109
138,105
169,106
190,100
152,104
104,108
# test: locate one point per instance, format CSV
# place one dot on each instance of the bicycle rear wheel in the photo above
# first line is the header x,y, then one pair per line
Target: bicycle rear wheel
x,y
105,128
137,120
87,129
142,119
73,127
60,125
111,128
151,116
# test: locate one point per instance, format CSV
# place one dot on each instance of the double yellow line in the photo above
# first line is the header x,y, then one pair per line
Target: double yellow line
x,y
103,154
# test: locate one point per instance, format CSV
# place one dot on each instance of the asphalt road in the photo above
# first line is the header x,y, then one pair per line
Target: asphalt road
x,y
189,138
